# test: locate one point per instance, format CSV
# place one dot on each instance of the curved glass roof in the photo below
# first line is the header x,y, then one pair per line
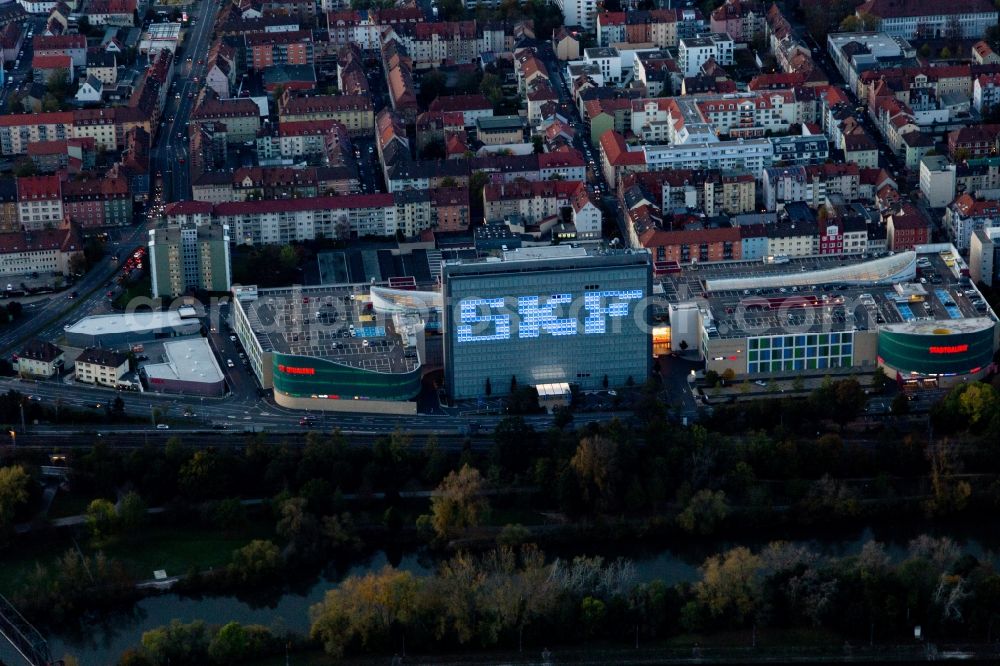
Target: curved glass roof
x,y
901,267
402,301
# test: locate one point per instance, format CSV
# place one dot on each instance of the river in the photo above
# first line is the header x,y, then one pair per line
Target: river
x,y
100,643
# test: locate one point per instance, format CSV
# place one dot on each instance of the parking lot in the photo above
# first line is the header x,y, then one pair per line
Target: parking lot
x,y
334,323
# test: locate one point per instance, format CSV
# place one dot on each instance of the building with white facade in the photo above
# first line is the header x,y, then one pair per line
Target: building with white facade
x,y
937,180
986,92
579,12
984,256
966,215
753,155
39,358
607,59
932,19
693,52
103,367
855,52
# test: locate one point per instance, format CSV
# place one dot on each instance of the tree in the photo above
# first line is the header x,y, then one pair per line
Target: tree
x,y
229,515
433,84
13,494
711,378
949,494
134,657
599,468
945,53
593,613
24,168
177,643
51,103
365,609
978,403
900,404
255,562
300,528
458,503
538,143
490,87
880,381
730,585
236,644
704,511
132,511
101,518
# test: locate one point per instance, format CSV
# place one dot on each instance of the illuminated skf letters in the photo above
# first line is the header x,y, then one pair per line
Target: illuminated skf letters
x,y
469,316
537,317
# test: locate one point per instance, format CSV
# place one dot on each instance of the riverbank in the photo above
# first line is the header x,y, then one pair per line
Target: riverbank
x,y
98,641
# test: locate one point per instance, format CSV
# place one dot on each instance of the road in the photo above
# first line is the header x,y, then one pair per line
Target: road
x,y
172,144
238,414
591,154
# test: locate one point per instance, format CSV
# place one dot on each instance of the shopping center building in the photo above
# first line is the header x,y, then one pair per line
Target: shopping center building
x,y
915,313
339,348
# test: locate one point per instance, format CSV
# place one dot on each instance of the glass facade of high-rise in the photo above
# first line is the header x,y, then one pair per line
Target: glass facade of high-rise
x,y
573,317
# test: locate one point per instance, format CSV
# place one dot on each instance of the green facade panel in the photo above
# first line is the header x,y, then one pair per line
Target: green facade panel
x,y
929,354
305,377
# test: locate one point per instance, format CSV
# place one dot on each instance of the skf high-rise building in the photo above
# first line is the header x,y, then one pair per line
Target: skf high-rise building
x,y
189,256
548,315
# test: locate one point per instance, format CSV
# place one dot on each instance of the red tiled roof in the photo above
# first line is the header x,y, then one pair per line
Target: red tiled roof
x,y
309,203
968,206
570,158
274,38
616,150
52,42
658,237
306,127
111,6
611,18
188,208
51,62
38,187
64,238
45,118
448,103
909,217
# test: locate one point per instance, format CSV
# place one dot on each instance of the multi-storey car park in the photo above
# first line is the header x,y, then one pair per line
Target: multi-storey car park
x,y
915,313
339,348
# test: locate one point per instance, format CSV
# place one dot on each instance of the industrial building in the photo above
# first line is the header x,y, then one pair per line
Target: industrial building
x,y
121,331
558,314
917,314
337,348
188,367
189,256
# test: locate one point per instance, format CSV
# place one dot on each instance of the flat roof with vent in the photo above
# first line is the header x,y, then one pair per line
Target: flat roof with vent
x,y
187,360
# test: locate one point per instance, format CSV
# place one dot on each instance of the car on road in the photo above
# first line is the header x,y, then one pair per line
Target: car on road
x,y
162,426
232,338
229,363
761,382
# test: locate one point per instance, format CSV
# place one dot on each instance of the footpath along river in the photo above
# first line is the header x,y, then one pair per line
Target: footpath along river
x,y
100,643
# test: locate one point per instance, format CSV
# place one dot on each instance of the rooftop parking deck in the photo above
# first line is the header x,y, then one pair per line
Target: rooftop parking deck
x,y
936,293
332,323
